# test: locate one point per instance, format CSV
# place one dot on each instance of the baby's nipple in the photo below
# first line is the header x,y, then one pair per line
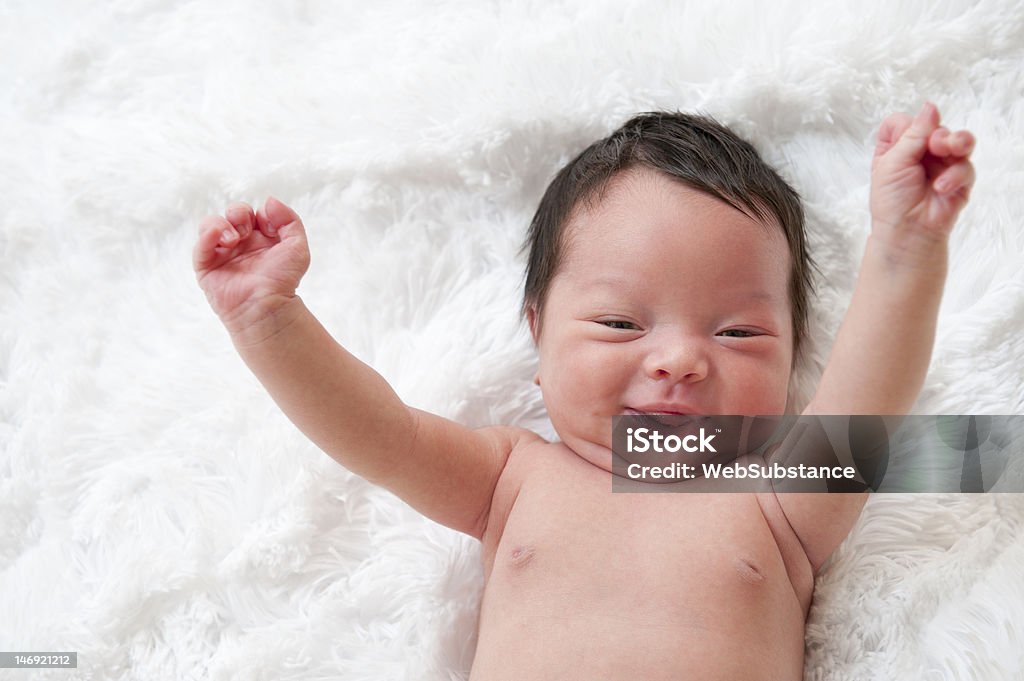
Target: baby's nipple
x,y
749,572
521,555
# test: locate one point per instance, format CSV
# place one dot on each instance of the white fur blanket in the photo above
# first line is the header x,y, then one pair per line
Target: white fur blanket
x,y
157,513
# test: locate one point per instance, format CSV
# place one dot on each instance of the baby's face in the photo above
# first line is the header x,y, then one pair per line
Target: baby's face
x,y
667,300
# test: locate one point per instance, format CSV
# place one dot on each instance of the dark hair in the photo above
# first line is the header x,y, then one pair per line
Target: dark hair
x,y
696,150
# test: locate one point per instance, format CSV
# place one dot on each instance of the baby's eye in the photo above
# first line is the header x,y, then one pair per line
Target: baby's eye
x,y
738,333
618,324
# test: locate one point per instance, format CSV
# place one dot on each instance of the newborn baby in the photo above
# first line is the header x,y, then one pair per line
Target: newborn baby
x,y
667,275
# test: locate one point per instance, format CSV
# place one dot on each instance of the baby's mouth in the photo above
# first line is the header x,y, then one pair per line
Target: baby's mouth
x,y
670,419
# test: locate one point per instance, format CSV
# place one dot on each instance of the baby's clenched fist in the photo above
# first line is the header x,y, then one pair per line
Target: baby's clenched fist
x,y
249,263
921,175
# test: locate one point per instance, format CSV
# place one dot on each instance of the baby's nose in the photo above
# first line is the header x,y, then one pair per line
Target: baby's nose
x,y
679,361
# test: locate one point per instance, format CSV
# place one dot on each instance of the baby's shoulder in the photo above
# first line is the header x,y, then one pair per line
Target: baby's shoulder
x,y
527,451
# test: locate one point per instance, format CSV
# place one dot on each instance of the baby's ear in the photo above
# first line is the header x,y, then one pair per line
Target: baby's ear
x,y
531,317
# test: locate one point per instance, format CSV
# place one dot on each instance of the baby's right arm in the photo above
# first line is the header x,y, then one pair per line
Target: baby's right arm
x,y
921,180
249,265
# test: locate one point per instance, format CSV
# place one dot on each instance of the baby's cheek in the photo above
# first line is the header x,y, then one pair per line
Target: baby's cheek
x,y
577,365
765,396
581,385
758,383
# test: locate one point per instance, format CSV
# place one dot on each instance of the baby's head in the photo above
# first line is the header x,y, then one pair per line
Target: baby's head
x,y
667,272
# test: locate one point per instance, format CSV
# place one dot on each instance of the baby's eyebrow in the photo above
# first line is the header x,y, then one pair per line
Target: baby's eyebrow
x,y
618,283
756,298
613,283
759,294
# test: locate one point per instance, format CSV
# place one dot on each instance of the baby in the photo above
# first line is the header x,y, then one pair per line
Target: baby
x,y
667,274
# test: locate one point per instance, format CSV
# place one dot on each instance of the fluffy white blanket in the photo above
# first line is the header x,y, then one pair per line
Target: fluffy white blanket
x,y
157,513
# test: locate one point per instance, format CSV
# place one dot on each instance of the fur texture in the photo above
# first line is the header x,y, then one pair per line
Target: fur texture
x,y
157,513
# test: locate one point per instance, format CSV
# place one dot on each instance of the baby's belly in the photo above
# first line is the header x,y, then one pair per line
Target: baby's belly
x,y
638,586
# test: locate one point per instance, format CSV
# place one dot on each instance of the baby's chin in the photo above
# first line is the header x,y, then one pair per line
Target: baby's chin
x,y
601,455
665,440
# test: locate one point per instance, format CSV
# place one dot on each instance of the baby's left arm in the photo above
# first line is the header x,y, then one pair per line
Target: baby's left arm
x,y
921,178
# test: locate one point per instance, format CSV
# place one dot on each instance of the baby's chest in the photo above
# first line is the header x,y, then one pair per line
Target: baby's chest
x,y
680,581
570,537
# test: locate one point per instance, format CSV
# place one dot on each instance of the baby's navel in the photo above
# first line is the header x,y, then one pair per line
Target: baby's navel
x,y
521,555
748,571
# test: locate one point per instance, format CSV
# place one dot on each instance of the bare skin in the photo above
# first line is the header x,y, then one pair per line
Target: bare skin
x,y
580,582
597,585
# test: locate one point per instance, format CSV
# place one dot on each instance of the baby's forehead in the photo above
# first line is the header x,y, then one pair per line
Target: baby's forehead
x,y
647,204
